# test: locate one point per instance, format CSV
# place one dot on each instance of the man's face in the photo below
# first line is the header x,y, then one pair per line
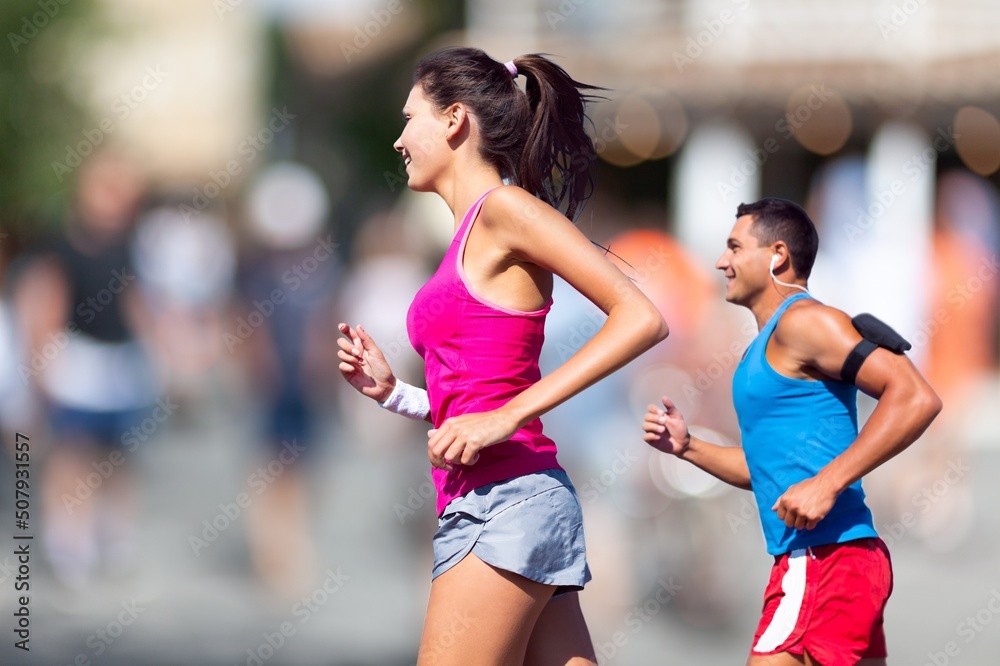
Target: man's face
x,y
744,263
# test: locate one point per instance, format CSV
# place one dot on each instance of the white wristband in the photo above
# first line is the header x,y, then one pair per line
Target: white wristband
x,y
410,401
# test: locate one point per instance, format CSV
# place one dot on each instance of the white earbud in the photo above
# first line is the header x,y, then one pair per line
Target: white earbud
x,y
774,259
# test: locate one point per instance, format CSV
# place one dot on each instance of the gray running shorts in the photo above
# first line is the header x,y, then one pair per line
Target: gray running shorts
x,y
530,525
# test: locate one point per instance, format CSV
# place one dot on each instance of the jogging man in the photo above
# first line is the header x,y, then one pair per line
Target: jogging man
x,y
795,394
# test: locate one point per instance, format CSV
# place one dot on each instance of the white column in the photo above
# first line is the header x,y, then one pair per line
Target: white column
x,y
893,249
718,169
840,207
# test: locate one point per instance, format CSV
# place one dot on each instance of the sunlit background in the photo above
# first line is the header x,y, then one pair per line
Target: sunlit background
x,y
195,192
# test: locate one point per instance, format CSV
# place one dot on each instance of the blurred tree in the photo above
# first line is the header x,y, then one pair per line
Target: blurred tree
x,y
348,122
39,119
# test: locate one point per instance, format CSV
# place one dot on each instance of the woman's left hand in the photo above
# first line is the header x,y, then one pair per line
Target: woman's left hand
x,y
460,438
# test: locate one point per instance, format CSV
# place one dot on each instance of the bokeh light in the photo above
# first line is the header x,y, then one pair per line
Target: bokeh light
x,y
977,139
819,118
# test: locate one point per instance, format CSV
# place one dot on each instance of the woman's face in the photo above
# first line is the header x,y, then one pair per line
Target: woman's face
x,y
423,143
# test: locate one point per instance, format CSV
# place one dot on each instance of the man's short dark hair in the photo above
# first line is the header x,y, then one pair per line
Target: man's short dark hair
x,y
779,219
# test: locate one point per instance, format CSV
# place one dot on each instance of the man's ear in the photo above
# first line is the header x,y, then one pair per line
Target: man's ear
x,y
779,254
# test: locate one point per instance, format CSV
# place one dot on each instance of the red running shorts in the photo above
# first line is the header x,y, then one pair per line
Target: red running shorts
x,y
827,600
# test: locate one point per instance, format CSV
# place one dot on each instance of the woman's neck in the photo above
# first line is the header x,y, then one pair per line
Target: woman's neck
x,y
464,184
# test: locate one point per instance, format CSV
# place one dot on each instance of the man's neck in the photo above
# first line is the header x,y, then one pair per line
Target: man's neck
x,y
767,304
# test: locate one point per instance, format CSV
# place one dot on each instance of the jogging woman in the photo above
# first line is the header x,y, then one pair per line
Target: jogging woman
x,y
513,166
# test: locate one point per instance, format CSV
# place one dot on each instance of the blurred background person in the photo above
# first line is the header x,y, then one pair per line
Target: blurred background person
x,y
19,409
393,255
186,265
83,313
670,507
959,334
287,279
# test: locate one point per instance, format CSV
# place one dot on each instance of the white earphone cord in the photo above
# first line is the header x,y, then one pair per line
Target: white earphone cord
x,y
784,284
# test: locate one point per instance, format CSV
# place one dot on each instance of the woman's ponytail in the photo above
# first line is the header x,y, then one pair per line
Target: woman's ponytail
x,y
558,155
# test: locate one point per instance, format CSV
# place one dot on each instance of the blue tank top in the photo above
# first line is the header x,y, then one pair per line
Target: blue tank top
x,y
792,428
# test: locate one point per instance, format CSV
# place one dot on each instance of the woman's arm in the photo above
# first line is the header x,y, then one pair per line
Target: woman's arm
x,y
538,234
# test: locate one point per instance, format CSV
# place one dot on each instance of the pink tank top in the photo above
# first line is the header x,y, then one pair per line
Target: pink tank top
x,y
477,356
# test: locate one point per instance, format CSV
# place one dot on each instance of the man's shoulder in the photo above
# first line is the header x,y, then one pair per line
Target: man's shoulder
x,y
810,322
808,314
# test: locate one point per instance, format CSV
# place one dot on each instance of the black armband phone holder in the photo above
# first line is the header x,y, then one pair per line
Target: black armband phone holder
x,y
875,333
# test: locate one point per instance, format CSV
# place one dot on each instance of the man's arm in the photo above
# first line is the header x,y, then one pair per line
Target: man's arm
x,y
817,339
666,431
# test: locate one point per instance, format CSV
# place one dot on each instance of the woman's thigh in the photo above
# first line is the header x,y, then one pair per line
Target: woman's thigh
x,y
479,615
560,636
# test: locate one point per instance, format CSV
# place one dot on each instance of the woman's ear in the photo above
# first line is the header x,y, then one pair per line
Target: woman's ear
x,y
456,116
